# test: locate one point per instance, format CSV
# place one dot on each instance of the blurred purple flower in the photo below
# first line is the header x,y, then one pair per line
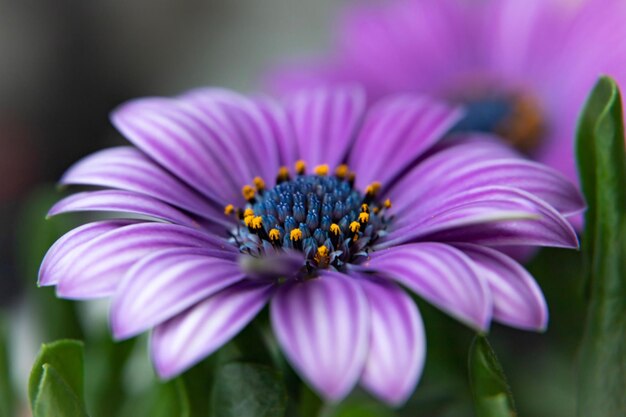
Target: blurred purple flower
x,y
372,201
522,68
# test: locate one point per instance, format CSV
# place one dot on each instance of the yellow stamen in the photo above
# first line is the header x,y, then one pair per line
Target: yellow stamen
x,y
355,227
365,208
248,192
295,235
300,167
256,222
229,209
274,235
342,171
283,174
247,220
321,170
259,184
364,217
321,257
387,203
335,229
248,212
322,250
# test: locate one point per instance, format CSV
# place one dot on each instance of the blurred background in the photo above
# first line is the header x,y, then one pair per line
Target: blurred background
x,y
65,64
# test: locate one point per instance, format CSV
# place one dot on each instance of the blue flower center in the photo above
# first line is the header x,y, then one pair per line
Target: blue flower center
x,y
516,117
324,216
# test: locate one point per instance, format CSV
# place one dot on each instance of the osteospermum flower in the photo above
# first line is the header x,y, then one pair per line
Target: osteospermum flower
x,y
317,207
522,68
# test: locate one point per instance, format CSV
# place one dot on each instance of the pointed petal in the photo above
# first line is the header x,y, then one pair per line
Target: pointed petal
x,y
445,158
54,263
397,342
188,142
488,215
322,326
194,334
123,202
127,168
517,299
442,275
396,131
243,127
165,283
529,176
325,122
95,268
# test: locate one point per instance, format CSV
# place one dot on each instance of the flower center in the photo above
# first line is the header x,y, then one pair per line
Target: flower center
x,y
516,117
321,215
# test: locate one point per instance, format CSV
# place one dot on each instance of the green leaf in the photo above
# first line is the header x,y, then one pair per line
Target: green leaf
x,y
601,160
490,390
35,236
7,395
161,400
55,397
66,357
248,390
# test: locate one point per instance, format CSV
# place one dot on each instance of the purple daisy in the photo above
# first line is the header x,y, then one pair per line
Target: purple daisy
x,y
522,68
318,207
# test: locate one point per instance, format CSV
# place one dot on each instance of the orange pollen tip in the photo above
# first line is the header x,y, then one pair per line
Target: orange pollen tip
x,y
321,170
295,235
335,229
259,184
364,217
229,209
387,203
322,251
256,222
355,227
283,173
274,234
365,208
247,220
300,167
248,192
342,171
248,212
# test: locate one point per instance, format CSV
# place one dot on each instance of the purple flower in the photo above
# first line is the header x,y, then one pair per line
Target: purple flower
x,y
522,68
318,207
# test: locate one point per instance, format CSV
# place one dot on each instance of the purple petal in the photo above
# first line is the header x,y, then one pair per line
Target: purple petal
x,y
396,131
442,275
189,142
325,122
397,343
123,202
529,176
446,158
282,132
244,128
502,215
517,299
54,264
95,268
165,283
322,326
127,168
550,229
189,337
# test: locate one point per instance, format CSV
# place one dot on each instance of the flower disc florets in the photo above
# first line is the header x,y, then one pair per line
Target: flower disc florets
x,y
322,215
